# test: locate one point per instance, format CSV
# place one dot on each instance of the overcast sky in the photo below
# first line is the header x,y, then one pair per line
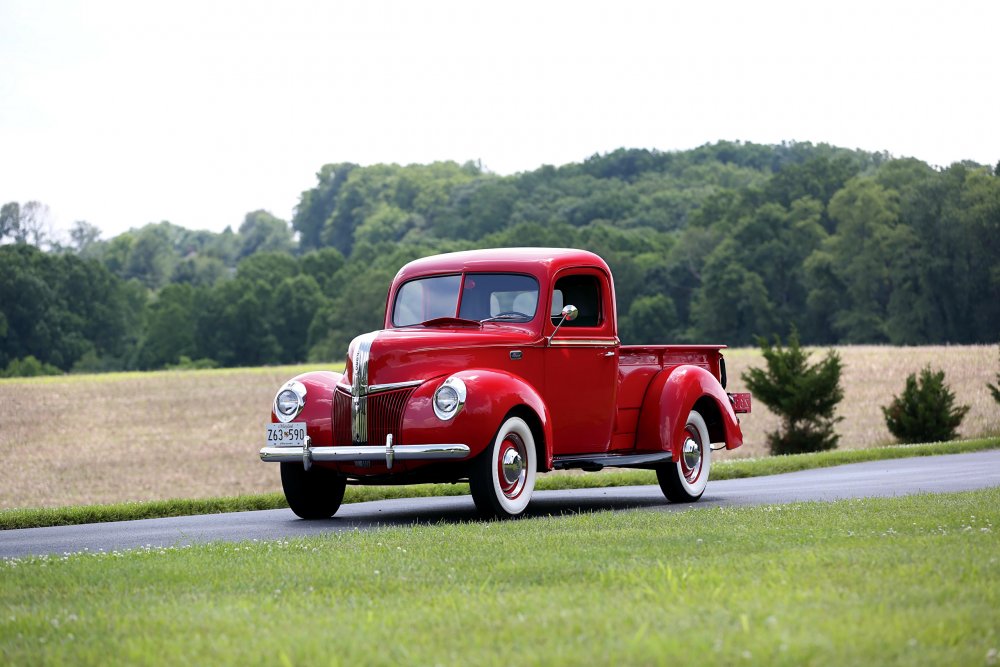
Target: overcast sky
x,y
124,113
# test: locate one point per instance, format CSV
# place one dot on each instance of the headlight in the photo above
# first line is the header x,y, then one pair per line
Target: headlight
x,y
290,400
449,398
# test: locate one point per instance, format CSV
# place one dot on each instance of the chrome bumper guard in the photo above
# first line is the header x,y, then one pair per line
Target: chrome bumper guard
x,y
389,453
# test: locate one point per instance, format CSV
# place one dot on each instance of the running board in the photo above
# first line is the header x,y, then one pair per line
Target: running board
x,y
594,462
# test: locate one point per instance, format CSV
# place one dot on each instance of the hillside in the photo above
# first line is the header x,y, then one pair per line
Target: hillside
x,y
722,243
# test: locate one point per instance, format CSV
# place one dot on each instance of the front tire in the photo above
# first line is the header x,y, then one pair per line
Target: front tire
x,y
503,476
312,494
684,481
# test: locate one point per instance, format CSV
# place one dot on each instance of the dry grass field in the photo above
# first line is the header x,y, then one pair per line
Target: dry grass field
x,y
195,434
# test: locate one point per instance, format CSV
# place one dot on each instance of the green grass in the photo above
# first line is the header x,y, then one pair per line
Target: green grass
x,y
732,469
901,581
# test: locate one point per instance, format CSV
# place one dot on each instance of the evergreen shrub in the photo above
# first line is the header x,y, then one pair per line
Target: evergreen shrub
x,y
804,396
925,411
995,388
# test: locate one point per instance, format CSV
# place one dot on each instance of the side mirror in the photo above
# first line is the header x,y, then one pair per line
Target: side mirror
x,y
569,313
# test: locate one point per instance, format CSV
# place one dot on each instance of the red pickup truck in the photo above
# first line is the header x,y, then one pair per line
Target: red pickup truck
x,y
493,366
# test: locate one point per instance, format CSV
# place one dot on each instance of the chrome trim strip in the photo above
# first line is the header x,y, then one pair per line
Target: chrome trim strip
x,y
359,387
458,385
379,388
584,342
365,453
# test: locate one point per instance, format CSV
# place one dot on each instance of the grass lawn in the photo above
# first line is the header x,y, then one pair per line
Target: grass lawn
x,y
907,581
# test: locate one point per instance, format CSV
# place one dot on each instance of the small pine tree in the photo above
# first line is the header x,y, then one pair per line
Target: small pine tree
x,y
925,411
804,396
995,389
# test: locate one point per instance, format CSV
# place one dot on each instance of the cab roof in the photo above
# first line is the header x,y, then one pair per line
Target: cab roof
x,y
536,261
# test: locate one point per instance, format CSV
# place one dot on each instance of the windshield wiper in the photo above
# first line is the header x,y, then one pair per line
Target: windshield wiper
x,y
450,322
509,316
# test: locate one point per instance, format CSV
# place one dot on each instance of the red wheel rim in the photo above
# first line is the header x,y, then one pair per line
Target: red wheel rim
x,y
511,469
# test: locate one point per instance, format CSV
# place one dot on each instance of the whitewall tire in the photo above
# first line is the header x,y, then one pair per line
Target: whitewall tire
x,y
503,476
684,481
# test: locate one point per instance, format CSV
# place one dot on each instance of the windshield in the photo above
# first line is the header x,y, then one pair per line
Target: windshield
x,y
507,297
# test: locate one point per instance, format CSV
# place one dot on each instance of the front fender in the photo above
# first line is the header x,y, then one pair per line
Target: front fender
x,y
671,396
318,409
491,395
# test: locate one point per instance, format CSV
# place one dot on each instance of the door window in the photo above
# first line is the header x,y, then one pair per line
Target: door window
x,y
582,291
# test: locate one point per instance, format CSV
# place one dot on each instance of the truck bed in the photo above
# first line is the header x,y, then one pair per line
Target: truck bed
x,y
637,364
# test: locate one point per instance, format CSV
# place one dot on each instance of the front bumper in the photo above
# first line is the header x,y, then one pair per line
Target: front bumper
x,y
388,453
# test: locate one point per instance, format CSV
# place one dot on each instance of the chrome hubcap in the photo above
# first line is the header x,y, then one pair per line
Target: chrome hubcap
x,y
511,466
691,458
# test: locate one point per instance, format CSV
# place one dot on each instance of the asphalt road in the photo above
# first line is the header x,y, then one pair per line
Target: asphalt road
x,y
935,474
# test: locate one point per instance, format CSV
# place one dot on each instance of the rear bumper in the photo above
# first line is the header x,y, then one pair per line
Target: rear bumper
x,y
388,453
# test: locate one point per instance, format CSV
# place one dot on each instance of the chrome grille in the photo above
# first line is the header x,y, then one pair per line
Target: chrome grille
x,y
341,417
384,415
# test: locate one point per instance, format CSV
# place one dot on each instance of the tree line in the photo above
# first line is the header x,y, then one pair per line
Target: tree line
x,y
722,243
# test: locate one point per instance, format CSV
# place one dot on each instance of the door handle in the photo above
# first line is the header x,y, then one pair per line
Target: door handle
x,y
609,353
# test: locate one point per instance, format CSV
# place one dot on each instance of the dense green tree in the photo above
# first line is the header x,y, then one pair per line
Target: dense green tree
x,y
59,307
316,205
269,268
199,270
170,328
650,320
262,232
297,300
865,214
151,256
720,243
322,265
818,178
732,305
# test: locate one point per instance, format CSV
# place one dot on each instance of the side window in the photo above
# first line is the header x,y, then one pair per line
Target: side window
x,y
582,291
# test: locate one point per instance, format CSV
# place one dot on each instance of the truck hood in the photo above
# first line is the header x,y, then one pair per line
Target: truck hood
x,y
411,354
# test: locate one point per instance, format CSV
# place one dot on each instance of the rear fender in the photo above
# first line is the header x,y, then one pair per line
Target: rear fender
x,y
491,396
671,396
318,409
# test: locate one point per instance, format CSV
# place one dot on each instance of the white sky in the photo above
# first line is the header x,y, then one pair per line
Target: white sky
x,y
123,113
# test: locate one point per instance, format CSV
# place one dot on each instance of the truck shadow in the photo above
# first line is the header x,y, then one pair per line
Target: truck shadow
x,y
460,509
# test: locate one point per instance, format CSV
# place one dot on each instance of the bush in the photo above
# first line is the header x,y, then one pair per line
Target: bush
x,y
995,389
804,396
29,367
925,411
186,364
91,362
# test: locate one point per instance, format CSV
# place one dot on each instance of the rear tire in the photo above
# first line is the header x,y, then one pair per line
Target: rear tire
x,y
684,481
503,476
312,494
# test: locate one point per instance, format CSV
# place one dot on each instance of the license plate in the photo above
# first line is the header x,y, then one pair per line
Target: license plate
x,y
741,403
292,434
